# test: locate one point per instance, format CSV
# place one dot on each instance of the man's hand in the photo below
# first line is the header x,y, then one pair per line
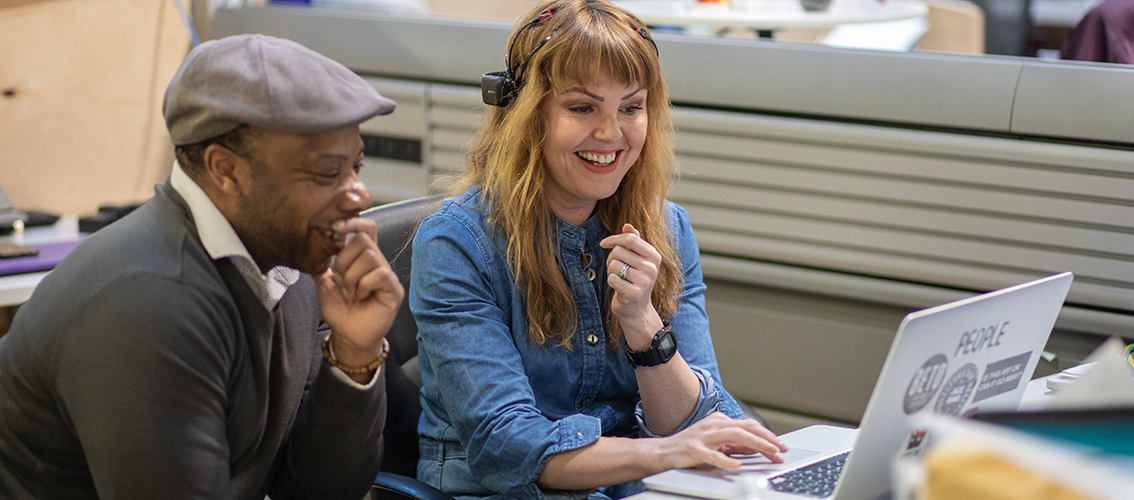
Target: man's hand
x,y
359,296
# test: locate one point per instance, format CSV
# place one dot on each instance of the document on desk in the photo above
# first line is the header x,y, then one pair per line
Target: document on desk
x,y
1107,384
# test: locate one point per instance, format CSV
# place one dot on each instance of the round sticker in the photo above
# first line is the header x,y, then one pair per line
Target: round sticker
x,y
925,382
955,393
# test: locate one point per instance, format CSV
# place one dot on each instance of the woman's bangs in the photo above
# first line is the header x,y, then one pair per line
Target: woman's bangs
x,y
581,58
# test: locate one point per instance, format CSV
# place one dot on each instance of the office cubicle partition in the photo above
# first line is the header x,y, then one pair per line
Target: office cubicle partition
x,y
832,191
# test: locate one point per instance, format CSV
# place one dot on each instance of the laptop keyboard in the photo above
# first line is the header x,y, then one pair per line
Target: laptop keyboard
x,y
816,480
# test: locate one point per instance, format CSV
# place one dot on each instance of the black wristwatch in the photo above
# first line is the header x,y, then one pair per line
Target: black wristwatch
x,y
661,349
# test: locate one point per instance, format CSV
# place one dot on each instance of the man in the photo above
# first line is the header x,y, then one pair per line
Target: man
x,y
175,354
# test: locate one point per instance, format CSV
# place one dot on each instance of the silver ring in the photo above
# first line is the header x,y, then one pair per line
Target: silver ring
x,y
622,274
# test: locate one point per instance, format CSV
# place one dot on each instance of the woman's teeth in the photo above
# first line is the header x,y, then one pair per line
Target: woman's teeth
x,y
597,159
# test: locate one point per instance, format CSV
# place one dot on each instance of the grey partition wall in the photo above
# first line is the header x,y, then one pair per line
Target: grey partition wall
x,y
832,191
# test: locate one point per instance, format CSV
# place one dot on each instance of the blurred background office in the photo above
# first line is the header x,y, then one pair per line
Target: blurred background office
x,y
832,189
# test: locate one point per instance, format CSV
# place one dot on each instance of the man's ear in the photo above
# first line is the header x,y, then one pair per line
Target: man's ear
x,y
226,172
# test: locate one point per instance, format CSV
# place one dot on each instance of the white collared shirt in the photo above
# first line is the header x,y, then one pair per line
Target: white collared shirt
x,y
221,241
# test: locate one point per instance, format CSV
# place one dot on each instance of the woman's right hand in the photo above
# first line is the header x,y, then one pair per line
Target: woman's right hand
x,y
612,460
711,440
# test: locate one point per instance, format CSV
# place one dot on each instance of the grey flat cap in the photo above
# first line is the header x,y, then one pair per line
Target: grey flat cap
x,y
268,82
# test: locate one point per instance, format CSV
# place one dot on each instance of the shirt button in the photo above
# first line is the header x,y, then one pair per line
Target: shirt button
x,y
590,274
592,339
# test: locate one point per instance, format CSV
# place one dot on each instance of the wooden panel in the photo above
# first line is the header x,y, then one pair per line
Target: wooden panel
x,y
80,120
954,26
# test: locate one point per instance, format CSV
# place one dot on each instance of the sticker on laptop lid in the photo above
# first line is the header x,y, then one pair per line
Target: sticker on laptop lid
x,y
955,393
1001,376
924,384
915,444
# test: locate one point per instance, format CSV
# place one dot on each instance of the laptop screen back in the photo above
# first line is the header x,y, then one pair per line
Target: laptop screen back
x,y
958,359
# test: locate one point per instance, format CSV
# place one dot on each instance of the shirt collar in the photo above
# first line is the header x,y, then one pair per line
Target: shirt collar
x,y
221,241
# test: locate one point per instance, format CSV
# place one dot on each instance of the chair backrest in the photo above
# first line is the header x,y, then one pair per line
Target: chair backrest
x,y
397,223
1007,26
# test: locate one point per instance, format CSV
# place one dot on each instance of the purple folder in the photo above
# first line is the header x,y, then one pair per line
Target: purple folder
x,y
50,254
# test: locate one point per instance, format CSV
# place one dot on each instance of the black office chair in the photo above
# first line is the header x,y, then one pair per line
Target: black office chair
x,y
397,223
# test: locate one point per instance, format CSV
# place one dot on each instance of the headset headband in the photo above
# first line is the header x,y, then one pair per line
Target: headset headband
x,y
497,88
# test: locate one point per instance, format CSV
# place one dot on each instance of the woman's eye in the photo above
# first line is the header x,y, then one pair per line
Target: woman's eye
x,y
579,109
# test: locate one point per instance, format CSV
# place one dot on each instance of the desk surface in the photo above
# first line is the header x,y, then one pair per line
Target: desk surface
x,y
769,14
16,289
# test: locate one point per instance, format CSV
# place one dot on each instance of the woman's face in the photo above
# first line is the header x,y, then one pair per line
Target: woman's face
x,y
595,133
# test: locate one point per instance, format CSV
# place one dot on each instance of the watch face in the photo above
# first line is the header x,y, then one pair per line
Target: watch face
x,y
667,342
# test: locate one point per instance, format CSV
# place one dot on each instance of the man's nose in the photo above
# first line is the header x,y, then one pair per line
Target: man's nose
x,y
357,197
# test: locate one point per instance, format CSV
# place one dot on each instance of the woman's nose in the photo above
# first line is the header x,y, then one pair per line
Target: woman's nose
x,y
608,129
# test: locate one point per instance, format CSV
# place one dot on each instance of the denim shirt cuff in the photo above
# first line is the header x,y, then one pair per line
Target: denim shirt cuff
x,y
575,431
708,401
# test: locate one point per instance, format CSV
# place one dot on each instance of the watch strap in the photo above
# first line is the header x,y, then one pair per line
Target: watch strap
x,y
661,350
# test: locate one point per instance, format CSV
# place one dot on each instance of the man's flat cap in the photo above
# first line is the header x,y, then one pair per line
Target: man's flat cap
x,y
268,82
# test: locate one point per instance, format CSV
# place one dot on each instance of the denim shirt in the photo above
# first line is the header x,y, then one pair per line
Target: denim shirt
x,y
495,406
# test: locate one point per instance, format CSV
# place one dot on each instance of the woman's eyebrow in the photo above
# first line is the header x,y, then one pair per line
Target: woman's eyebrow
x,y
627,96
583,90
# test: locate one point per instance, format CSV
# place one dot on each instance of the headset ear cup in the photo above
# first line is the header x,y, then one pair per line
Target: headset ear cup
x,y
510,91
497,88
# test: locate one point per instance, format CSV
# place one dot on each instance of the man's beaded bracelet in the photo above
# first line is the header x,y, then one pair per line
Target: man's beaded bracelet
x,y
355,370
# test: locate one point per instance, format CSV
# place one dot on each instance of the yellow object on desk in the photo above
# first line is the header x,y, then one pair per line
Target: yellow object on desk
x,y
958,470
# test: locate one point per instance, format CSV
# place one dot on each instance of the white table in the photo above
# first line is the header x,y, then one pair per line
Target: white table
x,y
17,288
767,15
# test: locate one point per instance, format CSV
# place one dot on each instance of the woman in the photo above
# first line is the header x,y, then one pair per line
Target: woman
x,y
558,254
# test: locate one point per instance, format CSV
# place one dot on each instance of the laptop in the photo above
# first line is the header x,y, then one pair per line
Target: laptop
x,y
959,359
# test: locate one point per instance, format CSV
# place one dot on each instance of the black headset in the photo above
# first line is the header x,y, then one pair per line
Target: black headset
x,y
497,88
